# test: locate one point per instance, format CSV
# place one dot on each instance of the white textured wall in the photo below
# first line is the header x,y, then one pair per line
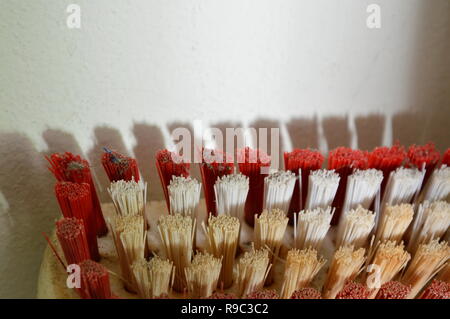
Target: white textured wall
x,y
138,68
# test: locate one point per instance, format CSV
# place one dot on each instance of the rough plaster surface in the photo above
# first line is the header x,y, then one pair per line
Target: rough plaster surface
x,y
137,69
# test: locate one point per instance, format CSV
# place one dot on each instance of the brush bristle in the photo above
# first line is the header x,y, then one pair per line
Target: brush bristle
x,y
353,290
306,293
437,290
255,165
393,290
119,167
94,281
263,294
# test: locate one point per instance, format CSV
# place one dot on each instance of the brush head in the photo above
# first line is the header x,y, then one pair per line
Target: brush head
x,y
263,294
72,191
446,157
437,290
170,164
69,228
94,281
387,158
305,159
353,290
73,240
119,167
306,293
219,163
423,154
393,290
69,167
251,160
345,157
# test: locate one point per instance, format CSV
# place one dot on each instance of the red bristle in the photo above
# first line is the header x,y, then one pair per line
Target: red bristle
x,y
387,159
73,168
437,290
307,160
75,201
446,157
72,238
306,293
419,155
255,165
344,160
170,164
120,167
55,252
222,295
393,290
353,290
263,294
94,281
214,164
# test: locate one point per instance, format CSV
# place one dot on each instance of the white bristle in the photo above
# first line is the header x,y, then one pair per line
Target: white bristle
x,y
231,192
362,186
438,186
129,197
278,189
312,227
184,195
402,185
430,222
322,187
355,227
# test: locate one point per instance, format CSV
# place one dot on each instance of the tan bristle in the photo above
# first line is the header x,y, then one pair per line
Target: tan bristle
x,y
390,258
444,274
129,235
177,236
153,278
252,270
300,269
430,222
184,195
202,275
312,227
129,197
269,231
355,227
222,234
427,261
394,222
345,265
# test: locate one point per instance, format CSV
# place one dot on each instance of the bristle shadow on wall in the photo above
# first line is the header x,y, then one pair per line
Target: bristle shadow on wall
x,y
104,136
407,127
428,116
27,186
59,142
269,123
222,126
195,170
336,131
370,131
149,140
303,132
